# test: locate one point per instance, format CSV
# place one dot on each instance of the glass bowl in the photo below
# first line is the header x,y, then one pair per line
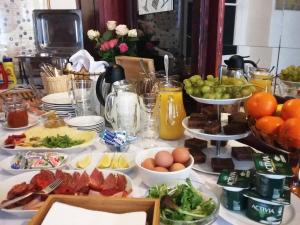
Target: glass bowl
x,y
119,148
206,193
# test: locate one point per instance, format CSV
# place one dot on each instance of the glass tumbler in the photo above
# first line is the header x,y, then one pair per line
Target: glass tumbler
x,y
81,95
150,121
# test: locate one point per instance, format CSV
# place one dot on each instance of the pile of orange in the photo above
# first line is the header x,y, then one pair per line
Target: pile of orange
x,y
279,121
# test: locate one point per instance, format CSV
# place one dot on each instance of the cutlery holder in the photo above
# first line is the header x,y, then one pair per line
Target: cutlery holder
x,y
55,84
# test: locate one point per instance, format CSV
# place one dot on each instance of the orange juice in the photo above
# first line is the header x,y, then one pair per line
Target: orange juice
x,y
171,112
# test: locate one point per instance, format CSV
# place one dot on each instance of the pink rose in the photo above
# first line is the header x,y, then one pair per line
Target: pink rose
x,y
104,46
112,43
123,47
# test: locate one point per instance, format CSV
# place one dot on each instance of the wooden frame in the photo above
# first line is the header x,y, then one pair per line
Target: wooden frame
x,y
107,204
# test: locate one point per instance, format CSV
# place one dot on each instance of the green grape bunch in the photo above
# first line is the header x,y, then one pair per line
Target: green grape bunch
x,y
211,88
290,73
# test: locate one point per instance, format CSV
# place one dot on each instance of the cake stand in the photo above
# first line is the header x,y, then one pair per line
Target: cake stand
x,y
220,152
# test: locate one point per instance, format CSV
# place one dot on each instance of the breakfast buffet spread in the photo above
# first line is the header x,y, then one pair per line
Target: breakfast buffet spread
x,y
151,149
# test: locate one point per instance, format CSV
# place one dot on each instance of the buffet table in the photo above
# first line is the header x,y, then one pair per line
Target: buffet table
x,y
226,217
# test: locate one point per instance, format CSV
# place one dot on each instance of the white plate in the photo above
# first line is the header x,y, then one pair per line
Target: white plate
x,y
220,101
100,126
67,106
85,121
96,158
225,153
32,121
58,109
5,164
61,98
197,133
73,149
7,184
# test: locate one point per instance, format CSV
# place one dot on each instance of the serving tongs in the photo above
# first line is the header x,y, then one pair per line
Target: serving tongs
x,y
47,190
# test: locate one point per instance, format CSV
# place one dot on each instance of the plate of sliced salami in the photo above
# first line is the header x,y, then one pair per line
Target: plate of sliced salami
x,y
88,182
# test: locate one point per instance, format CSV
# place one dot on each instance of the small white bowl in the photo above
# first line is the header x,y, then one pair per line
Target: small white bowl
x,y
152,178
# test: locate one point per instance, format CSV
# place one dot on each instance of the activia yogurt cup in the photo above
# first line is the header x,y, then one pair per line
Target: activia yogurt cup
x,y
270,186
233,198
263,211
234,184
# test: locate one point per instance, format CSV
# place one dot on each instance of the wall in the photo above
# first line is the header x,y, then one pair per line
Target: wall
x,y
63,4
258,30
16,26
16,31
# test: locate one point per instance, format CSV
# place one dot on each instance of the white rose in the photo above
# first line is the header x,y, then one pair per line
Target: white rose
x,y
132,33
121,30
93,34
111,24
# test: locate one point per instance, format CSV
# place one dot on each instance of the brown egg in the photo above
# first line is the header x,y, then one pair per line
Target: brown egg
x,y
148,163
181,155
160,169
176,167
163,159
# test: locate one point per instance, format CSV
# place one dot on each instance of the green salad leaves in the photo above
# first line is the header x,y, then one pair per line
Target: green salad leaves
x,y
60,141
183,202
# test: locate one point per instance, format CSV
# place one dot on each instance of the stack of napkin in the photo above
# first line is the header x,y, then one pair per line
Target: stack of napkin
x,y
83,60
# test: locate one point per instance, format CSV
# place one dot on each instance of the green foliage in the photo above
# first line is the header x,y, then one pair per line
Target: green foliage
x,y
60,141
107,35
192,205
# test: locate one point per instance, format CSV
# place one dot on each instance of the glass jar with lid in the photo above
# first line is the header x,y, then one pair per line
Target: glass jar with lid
x,y
16,112
261,79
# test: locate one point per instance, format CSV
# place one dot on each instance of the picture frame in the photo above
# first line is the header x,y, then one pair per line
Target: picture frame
x,y
154,6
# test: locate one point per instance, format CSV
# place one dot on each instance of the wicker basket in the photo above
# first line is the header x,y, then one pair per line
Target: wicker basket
x,y
55,84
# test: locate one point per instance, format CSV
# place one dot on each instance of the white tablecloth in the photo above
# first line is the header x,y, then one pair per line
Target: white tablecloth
x,y
225,217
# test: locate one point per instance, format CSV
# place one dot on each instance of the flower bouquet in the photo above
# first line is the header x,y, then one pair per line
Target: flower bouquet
x,y
116,40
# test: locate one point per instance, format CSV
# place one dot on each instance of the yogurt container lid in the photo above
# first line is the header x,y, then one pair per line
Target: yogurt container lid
x,y
272,165
233,189
238,179
284,199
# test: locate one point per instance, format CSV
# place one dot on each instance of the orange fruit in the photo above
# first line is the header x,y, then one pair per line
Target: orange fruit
x,y
291,109
269,124
289,133
261,104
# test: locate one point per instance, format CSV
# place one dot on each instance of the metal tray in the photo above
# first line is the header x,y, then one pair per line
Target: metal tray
x,y
58,31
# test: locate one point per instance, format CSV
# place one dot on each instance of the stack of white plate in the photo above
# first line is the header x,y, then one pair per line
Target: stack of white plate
x,y
94,123
60,103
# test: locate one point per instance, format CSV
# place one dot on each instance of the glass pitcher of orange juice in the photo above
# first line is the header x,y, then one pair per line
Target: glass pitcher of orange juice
x,y
171,110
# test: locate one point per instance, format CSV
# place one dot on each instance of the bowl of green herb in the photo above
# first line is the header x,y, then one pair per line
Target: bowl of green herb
x,y
186,203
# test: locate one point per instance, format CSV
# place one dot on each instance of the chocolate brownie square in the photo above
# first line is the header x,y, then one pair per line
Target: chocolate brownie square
x,y
195,123
235,128
219,164
199,156
200,116
212,127
239,117
195,144
210,112
242,153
